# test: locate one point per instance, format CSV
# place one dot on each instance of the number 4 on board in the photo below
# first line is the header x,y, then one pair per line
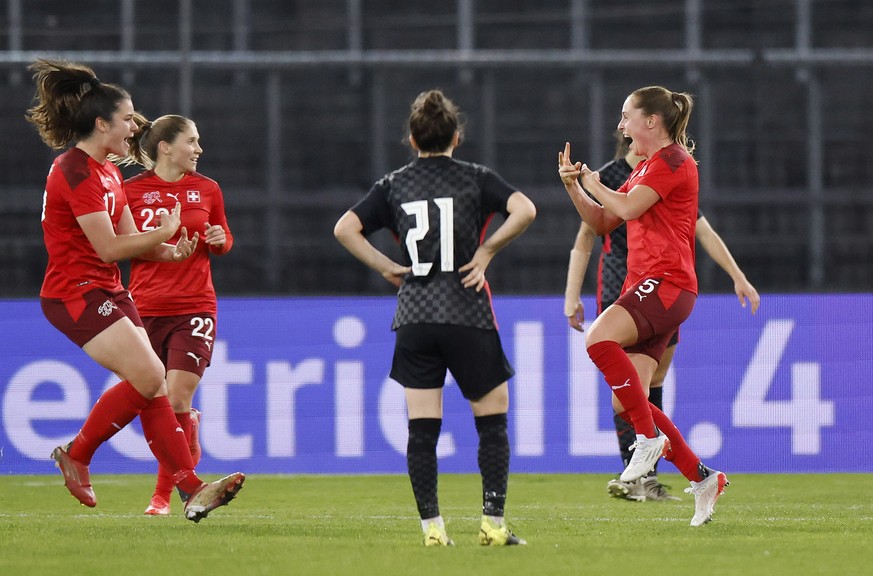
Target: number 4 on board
x,y
805,413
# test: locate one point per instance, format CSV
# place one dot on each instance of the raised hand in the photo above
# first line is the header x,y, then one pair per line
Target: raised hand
x,y
172,220
567,170
185,246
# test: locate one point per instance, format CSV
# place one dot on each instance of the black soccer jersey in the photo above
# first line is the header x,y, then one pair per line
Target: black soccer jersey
x,y
613,256
439,209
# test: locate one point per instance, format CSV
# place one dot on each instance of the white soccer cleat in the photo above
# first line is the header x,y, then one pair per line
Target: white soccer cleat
x,y
647,451
706,492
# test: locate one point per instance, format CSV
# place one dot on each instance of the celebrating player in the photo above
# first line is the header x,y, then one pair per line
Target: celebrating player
x,y
626,342
88,227
176,300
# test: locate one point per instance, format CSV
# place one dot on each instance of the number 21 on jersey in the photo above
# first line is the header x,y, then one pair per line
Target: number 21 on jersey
x,y
418,209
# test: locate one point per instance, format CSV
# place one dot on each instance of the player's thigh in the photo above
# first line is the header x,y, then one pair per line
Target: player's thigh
x,y
494,402
424,403
181,386
615,324
123,349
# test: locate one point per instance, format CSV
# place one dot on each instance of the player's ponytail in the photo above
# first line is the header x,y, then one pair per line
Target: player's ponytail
x,y
674,108
69,99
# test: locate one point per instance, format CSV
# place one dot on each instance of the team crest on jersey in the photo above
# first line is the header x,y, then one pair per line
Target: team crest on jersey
x,y
106,308
194,196
151,197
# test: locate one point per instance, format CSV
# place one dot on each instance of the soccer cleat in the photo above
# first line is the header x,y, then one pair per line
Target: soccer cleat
x,y
654,491
627,490
210,496
194,442
706,492
647,451
77,478
158,507
436,536
493,534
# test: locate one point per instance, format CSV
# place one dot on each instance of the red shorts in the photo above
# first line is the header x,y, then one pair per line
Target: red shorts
x,y
658,307
86,315
182,342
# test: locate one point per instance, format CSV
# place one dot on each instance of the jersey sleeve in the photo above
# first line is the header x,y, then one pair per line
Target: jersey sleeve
x,y
86,198
662,178
373,209
495,193
217,216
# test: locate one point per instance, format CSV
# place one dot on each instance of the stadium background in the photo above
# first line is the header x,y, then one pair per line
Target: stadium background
x,y
301,106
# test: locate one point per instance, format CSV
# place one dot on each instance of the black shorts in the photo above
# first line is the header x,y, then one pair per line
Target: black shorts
x,y
474,356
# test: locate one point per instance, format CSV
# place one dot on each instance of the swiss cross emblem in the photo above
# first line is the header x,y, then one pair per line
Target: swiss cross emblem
x,y
193,196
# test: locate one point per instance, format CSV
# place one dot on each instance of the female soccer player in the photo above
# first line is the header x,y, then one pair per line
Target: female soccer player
x,y
627,341
439,208
176,300
88,227
611,273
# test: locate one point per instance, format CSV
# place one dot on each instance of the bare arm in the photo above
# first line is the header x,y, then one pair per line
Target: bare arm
x,y
579,258
718,251
183,248
521,213
350,232
128,242
628,206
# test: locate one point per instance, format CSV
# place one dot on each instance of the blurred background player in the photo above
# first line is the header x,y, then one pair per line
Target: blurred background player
x,y
439,209
87,228
611,273
176,300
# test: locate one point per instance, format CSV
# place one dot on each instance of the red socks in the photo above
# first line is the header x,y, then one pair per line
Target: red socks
x,y
114,410
168,443
164,485
624,381
680,454
166,435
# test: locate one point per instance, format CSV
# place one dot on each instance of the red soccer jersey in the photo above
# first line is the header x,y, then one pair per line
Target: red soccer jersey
x,y
176,288
77,185
661,241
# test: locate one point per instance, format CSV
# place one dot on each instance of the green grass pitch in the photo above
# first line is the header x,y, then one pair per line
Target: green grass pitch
x,y
350,525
